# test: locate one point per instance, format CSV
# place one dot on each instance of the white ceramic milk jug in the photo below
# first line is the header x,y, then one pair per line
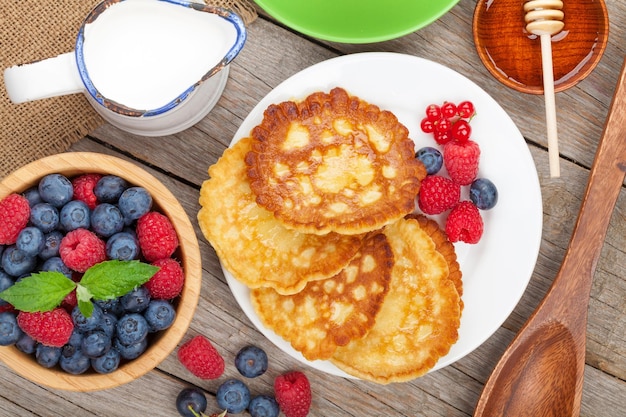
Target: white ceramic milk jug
x,y
150,67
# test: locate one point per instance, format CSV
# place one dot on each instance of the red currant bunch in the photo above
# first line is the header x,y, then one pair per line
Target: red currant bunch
x,y
449,121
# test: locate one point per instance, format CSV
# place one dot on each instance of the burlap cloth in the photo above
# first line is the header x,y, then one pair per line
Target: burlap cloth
x,y
33,30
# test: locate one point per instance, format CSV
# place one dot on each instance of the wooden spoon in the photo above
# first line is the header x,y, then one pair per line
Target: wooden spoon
x,y
541,372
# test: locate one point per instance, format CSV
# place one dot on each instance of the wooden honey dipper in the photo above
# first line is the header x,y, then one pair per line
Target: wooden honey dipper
x,y
544,19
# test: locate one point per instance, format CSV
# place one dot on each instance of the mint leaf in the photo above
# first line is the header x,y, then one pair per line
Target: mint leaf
x,y
111,279
43,291
83,296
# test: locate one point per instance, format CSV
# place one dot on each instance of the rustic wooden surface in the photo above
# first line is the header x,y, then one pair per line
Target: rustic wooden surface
x,y
274,53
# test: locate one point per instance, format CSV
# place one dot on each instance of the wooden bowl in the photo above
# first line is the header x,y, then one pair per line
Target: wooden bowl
x,y
188,253
513,55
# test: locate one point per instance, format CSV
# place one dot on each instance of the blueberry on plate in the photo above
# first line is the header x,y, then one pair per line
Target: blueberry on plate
x,y
95,344
56,189
483,193
431,158
160,315
26,344
75,215
251,361
73,361
191,399
263,406
106,363
10,332
134,203
132,351
233,395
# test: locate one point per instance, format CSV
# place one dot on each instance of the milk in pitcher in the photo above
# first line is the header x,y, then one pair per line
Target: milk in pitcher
x,y
144,54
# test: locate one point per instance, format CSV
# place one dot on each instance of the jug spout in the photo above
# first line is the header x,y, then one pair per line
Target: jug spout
x,y
51,77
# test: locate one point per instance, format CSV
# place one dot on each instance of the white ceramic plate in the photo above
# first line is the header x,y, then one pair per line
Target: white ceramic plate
x,y
496,271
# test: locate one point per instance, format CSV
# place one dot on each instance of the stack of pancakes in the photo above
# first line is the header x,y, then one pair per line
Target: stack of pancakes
x,y
314,213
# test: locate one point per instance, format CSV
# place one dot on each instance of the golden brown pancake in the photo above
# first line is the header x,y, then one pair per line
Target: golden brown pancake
x,y
334,311
333,163
420,317
252,245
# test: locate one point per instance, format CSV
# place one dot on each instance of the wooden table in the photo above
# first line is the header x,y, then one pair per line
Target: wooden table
x,y
272,54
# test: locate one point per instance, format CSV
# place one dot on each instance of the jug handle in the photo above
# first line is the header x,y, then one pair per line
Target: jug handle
x,y
43,79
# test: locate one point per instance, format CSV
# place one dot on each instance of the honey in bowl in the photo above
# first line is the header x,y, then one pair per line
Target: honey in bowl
x,y
513,55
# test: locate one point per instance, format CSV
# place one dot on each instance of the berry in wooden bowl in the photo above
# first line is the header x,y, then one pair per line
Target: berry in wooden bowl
x,y
119,287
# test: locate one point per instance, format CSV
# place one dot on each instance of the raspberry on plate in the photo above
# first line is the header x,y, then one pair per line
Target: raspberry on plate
x,y
14,215
157,236
167,282
81,249
293,393
461,160
201,358
438,194
50,328
464,223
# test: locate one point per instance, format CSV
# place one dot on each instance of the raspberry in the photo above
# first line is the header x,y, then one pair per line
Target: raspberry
x,y
438,194
202,359
50,328
80,249
461,161
464,223
83,189
293,394
156,235
14,215
168,282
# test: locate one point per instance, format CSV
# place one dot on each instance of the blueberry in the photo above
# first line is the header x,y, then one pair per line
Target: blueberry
x,y
233,395
109,188
10,332
95,344
44,216
52,241
17,263
76,339
73,361
160,315
26,344
263,406
30,241
191,398
75,215
136,300
483,193
251,361
134,203
123,246
107,324
106,363
5,282
132,351
431,158
47,356
106,220
86,324
112,306
56,264
131,328
32,195
56,189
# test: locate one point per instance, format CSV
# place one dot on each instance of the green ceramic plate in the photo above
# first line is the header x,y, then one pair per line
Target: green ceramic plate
x,y
356,21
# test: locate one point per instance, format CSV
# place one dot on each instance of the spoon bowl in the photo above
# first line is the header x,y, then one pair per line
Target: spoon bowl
x,y
541,372
513,55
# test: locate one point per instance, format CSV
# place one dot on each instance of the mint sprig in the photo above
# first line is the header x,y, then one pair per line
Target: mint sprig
x,y
45,291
